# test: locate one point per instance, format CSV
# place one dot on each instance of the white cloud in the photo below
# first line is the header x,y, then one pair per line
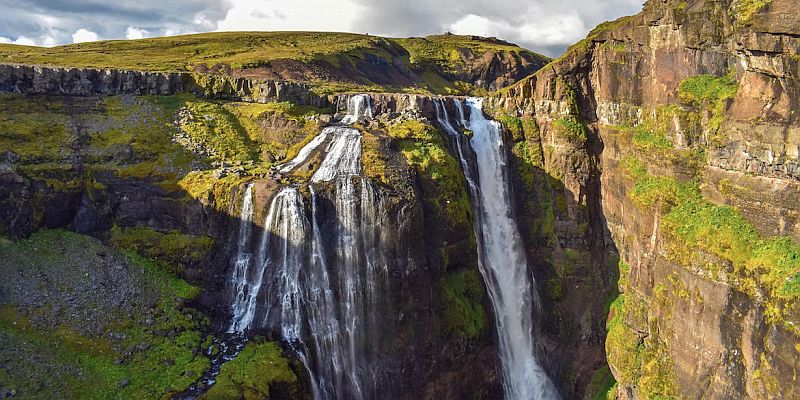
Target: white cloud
x,y
48,41
136,33
25,41
84,35
472,25
282,15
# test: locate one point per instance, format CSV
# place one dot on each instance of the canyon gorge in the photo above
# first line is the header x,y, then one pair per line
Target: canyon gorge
x,y
339,216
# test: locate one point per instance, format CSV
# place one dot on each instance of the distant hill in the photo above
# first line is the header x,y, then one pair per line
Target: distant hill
x,y
444,64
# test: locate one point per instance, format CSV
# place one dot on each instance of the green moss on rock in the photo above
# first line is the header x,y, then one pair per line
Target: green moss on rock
x,y
711,93
572,129
147,346
601,386
257,372
693,224
463,294
174,249
424,149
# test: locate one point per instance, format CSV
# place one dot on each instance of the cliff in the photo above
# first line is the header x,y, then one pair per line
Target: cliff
x,y
163,177
677,130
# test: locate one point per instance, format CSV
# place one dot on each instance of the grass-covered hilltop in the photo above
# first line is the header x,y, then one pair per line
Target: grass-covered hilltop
x,y
445,64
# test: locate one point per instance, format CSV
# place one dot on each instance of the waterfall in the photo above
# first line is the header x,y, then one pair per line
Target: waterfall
x,y
306,151
343,155
503,265
320,293
242,263
357,106
458,141
323,318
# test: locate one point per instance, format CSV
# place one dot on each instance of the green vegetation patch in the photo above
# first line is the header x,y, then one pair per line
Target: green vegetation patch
x,y
463,294
769,264
651,141
436,59
571,128
217,130
747,9
374,160
204,185
256,372
148,346
623,344
174,249
424,149
529,169
640,360
183,53
35,129
710,93
602,385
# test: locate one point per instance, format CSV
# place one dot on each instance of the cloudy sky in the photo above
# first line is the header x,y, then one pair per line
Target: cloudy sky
x,y
547,26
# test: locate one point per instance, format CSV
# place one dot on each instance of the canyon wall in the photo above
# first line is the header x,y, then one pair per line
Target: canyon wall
x,y
677,127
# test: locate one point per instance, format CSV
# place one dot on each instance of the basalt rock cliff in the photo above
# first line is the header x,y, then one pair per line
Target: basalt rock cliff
x,y
676,133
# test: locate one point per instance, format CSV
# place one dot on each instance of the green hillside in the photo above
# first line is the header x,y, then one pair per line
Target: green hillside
x,y
442,63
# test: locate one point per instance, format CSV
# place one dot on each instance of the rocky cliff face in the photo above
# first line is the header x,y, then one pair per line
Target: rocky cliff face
x,y
138,173
677,129
24,79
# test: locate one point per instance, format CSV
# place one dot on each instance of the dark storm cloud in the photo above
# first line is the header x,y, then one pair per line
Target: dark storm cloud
x,y
55,21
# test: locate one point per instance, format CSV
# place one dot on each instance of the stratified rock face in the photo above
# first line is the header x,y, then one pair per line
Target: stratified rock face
x,y
691,321
84,82
37,80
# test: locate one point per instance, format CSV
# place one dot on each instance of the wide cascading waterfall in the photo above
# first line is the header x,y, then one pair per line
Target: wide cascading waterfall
x,y
358,107
343,155
306,150
504,266
319,287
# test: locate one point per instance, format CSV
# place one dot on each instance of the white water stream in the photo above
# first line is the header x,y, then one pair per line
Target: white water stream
x,y
504,267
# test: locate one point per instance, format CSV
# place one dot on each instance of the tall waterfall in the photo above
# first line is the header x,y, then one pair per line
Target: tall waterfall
x,y
320,292
501,253
241,290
